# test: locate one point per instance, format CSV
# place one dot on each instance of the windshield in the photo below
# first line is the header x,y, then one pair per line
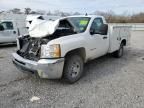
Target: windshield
x,y
80,23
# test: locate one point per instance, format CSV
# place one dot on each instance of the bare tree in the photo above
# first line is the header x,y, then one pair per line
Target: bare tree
x,y
33,12
1,12
27,10
15,11
41,12
49,13
138,18
57,12
76,13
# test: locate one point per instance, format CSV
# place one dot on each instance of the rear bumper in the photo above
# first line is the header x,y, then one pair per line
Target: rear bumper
x,y
46,68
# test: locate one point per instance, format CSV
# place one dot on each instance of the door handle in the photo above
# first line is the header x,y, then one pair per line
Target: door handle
x,y
105,37
119,38
14,32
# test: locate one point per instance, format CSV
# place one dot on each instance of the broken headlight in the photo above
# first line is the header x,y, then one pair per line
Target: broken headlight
x,y
52,51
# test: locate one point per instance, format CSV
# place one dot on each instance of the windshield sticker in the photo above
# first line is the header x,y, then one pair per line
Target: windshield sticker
x,y
83,22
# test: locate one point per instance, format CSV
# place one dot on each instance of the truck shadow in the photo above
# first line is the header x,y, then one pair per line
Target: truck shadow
x,y
108,65
105,66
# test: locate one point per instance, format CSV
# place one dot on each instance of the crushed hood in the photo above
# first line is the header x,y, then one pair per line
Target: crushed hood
x,y
42,28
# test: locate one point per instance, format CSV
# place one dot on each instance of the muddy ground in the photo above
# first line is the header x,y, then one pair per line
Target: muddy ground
x,y
107,83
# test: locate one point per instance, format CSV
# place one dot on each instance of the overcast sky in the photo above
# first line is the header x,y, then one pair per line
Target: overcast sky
x,y
89,6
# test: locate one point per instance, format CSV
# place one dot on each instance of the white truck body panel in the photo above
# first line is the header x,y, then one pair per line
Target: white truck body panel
x,y
117,34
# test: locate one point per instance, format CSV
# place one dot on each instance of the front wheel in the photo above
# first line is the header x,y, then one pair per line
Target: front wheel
x,y
73,68
119,53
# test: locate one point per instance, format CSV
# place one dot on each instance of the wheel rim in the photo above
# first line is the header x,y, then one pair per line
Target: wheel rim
x,y
75,69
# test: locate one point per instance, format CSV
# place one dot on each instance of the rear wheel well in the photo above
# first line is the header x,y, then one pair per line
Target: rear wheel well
x,y
124,42
79,51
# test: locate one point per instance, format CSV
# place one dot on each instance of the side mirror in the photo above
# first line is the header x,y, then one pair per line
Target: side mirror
x,y
101,30
104,29
1,28
92,31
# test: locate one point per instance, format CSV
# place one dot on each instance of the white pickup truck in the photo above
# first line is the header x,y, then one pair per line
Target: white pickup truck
x,y
74,41
9,31
11,26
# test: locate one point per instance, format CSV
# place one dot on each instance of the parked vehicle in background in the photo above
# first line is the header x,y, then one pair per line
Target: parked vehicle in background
x,y
12,25
10,31
59,49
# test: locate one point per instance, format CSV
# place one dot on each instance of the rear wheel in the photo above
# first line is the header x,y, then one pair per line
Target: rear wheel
x,y
119,53
73,68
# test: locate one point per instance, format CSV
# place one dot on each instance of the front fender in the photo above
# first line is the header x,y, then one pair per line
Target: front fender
x,y
69,43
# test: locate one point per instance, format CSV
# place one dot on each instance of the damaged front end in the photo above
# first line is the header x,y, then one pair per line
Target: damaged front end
x,y
31,55
30,48
34,54
28,58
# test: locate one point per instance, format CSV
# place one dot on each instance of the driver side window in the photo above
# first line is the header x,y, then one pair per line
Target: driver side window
x,y
96,25
7,25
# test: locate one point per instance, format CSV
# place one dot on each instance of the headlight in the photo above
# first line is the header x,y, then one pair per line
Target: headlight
x,y
52,51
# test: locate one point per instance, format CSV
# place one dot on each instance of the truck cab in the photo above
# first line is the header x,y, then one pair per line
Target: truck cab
x,y
8,31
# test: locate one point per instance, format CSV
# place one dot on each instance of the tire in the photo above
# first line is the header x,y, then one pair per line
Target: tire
x,y
119,53
73,68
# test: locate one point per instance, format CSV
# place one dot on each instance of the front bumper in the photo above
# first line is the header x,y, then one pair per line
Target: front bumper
x,y
46,68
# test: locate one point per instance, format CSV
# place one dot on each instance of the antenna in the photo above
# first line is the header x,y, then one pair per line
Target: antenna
x,y
86,14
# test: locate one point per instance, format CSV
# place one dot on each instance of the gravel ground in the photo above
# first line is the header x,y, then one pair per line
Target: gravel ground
x,y
107,83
